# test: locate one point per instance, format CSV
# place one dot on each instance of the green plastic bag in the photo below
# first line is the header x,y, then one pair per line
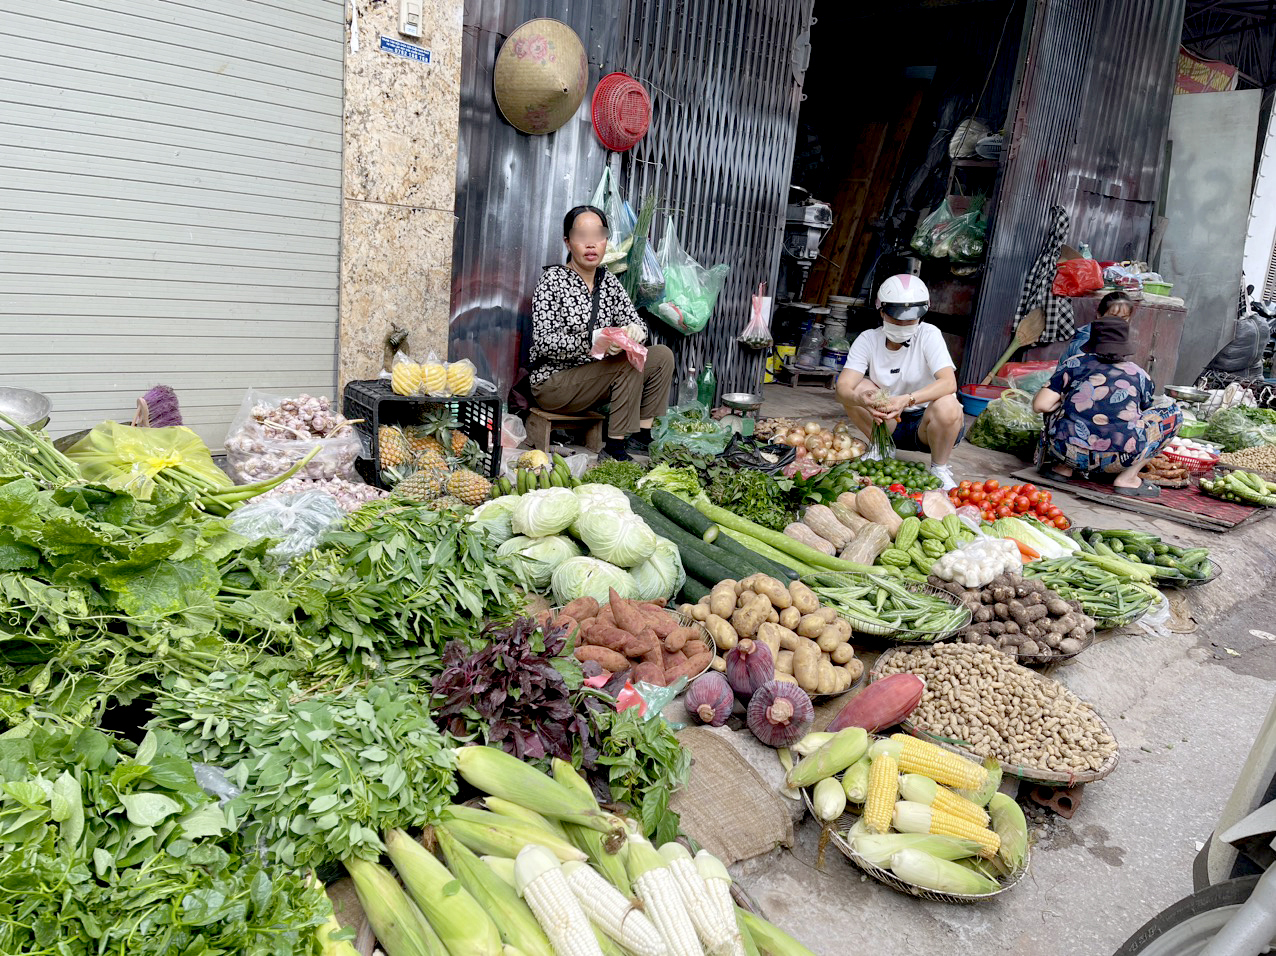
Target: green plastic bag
x,y
691,290
1008,424
691,427
128,458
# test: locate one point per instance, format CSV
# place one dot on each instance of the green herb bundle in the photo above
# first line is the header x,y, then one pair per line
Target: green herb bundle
x,y
101,852
324,771
619,474
752,494
643,764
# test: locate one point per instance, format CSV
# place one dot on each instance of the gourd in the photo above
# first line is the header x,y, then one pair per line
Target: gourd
x,y
873,504
780,713
821,520
749,665
803,533
709,699
848,516
868,544
883,703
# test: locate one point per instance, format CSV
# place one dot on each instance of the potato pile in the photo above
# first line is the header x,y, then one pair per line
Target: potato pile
x,y
623,635
979,695
1021,617
809,643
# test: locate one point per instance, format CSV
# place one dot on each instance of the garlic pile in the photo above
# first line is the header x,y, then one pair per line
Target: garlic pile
x,y
277,436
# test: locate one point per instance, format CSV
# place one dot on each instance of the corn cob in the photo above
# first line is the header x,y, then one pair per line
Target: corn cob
x,y
612,912
846,747
981,797
399,925
1009,824
855,780
718,885
829,799
918,818
922,869
883,788
811,743
329,946
919,789
514,811
503,867
502,775
770,939
716,931
919,756
746,940
542,884
462,924
659,891
606,850
516,924
486,832
878,848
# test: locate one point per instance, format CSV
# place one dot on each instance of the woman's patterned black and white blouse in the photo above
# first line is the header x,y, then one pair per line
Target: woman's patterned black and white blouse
x,y
560,318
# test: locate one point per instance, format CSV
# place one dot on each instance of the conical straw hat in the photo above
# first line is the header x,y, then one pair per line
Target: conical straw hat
x,y
540,76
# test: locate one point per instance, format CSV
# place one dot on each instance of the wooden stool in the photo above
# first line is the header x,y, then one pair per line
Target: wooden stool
x,y
540,423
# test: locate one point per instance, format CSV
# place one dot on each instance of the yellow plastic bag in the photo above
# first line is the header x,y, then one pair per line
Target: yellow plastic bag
x,y
128,458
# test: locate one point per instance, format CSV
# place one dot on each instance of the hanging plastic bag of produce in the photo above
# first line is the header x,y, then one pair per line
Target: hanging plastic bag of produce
x,y
644,280
1077,277
965,239
128,458
757,334
922,238
689,426
296,523
271,433
620,234
1008,424
691,290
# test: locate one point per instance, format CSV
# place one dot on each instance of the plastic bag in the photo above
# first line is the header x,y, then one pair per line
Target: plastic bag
x,y
691,427
965,240
1240,427
128,458
271,433
923,237
977,562
757,334
746,453
1077,277
513,431
296,522
614,336
1244,352
621,233
1008,424
651,278
691,290
1028,377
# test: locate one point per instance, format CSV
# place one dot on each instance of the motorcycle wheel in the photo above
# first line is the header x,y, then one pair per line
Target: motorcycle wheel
x,y
1186,927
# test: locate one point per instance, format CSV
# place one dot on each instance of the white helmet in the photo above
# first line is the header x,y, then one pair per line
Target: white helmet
x,y
903,297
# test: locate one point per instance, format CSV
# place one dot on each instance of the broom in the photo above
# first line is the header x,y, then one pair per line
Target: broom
x,y
158,409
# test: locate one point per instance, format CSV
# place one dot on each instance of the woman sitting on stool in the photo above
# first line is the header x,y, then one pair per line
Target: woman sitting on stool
x,y
571,304
1100,415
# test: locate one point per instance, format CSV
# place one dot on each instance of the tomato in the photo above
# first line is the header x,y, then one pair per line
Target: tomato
x,y
897,488
1045,496
977,497
992,484
1040,510
1034,498
1021,504
1029,489
1052,512
964,486
1004,511
1062,523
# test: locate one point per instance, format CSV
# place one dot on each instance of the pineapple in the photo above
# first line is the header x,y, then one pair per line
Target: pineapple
x,y
438,439
469,486
447,503
425,450
425,484
393,446
406,378
460,377
533,460
434,379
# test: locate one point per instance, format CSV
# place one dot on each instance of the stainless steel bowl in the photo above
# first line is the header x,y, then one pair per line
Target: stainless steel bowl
x,y
742,401
1187,393
24,406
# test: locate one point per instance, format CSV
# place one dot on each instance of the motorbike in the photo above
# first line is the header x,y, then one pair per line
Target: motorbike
x,y
1232,911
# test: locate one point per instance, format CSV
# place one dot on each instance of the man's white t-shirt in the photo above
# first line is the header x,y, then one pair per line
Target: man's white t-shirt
x,y
906,370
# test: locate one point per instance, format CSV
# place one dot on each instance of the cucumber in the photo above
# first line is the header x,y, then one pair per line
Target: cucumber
x,y
767,563
698,559
681,513
692,591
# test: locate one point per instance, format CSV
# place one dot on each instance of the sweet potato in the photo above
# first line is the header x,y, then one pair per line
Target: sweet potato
x,y
695,647
671,660
568,624
689,668
679,637
628,617
658,619
649,673
580,608
623,642
543,617
603,656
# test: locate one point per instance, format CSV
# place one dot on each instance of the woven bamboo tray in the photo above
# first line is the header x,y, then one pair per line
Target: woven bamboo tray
x,y
1216,571
900,635
903,886
1052,778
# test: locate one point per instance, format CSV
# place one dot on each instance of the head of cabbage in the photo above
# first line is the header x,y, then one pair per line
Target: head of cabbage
x,y
494,518
661,575
536,558
619,537
595,495
590,577
540,513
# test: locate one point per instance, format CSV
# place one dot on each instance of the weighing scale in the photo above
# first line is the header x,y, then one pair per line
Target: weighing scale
x,y
746,406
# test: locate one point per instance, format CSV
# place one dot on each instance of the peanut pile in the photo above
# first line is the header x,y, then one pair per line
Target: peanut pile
x,y
1261,459
1000,709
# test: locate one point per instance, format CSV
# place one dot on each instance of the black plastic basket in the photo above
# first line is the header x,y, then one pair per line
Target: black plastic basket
x,y
373,401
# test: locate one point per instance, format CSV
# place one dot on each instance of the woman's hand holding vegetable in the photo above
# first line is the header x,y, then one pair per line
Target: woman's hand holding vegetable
x,y
890,409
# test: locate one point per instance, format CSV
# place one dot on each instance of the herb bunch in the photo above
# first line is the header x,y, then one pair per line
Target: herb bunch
x,y
643,764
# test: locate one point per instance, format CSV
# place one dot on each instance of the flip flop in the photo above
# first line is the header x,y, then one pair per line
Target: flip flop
x,y
1145,490
1047,471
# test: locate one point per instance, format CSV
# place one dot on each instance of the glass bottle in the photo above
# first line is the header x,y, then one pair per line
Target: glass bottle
x,y
688,388
707,386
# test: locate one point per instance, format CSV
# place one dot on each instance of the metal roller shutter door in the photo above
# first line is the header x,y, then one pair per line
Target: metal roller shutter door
x,y
170,202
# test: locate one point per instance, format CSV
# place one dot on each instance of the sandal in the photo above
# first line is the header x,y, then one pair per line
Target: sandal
x,y
1047,470
1145,490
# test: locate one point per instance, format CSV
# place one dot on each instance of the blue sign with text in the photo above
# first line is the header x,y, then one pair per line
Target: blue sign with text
x,y
409,51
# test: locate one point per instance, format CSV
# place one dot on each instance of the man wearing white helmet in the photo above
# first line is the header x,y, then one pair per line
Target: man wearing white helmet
x,y
908,360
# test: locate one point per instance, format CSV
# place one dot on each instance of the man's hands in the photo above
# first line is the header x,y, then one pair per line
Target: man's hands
x,y
892,409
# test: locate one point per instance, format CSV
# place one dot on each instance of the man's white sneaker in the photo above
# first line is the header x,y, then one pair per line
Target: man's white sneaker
x,y
945,475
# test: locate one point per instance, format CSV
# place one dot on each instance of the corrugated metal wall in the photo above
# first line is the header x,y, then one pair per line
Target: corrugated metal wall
x,y
170,202
513,189
1088,132
725,100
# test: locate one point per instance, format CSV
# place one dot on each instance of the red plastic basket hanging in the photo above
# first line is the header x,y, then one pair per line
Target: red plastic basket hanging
x,y
622,111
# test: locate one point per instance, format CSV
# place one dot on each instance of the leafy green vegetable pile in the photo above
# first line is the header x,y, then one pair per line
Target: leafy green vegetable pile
x,y
619,474
644,764
752,494
1239,427
102,852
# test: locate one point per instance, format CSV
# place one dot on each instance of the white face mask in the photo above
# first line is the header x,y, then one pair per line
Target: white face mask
x,y
899,333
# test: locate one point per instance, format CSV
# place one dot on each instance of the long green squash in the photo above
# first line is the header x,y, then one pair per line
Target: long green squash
x,y
781,542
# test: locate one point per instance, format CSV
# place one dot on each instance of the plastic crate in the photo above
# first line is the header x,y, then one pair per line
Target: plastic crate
x,y
373,401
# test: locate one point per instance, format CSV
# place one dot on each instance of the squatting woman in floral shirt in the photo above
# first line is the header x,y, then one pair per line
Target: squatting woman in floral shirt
x,y
564,325
1100,415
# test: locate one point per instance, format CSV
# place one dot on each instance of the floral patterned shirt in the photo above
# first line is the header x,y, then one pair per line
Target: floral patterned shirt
x,y
560,318
1103,404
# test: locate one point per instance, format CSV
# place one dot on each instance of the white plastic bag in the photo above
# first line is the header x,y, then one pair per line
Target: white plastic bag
x,y
297,522
271,433
977,562
513,431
